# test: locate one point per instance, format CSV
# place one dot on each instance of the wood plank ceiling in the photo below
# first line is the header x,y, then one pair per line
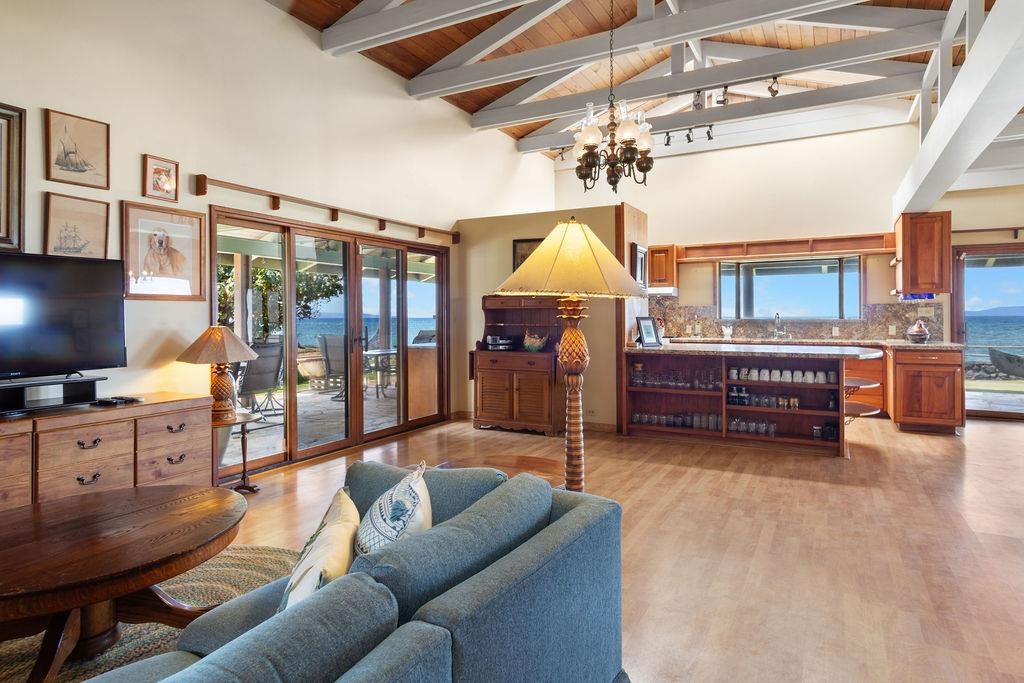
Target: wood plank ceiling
x,y
578,18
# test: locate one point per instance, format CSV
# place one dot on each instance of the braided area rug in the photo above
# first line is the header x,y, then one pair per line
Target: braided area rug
x,y
236,570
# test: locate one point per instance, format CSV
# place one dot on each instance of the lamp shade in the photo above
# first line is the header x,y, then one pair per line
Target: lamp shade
x,y
572,261
218,344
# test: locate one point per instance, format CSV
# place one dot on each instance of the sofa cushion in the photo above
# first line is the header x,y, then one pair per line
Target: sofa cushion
x,y
451,490
402,509
155,668
417,652
318,639
425,565
231,619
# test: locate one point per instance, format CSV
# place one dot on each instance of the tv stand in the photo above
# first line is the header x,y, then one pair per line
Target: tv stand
x,y
74,391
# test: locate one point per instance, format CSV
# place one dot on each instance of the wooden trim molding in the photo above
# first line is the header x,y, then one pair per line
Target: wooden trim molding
x,y
878,243
203,183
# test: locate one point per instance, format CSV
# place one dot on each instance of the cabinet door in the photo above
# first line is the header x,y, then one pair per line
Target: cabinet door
x,y
493,394
533,397
662,266
929,395
924,253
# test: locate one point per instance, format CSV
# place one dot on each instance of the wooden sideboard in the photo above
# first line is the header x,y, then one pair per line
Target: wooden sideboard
x,y
926,388
165,439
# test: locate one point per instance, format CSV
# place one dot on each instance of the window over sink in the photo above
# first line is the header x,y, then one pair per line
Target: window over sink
x,y
816,288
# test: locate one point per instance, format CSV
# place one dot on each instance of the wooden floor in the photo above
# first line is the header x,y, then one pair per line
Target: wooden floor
x,y
905,562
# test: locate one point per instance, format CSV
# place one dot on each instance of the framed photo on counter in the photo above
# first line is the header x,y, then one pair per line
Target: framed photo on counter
x,y
648,332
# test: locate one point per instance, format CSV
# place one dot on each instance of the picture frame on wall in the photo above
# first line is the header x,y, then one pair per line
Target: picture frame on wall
x,y
159,178
521,250
163,252
12,177
75,226
638,263
648,328
77,150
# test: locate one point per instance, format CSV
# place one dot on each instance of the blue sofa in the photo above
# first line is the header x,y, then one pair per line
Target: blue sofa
x,y
514,582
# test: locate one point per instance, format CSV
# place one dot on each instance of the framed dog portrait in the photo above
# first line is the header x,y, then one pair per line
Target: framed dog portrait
x,y
77,150
159,178
76,227
163,253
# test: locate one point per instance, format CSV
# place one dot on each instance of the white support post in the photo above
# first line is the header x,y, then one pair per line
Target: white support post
x,y
975,18
945,56
644,10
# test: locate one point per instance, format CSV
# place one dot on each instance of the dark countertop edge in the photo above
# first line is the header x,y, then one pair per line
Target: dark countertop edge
x,y
776,350
883,343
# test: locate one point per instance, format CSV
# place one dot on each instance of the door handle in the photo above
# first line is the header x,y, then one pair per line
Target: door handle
x,y
176,461
91,480
95,444
177,430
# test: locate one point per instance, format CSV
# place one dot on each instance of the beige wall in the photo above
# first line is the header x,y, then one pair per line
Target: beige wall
x,y
241,91
485,260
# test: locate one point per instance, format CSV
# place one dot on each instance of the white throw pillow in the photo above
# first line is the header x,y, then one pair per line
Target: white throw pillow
x,y
402,509
327,554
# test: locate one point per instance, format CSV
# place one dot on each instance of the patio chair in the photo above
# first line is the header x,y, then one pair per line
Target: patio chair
x,y
262,375
334,349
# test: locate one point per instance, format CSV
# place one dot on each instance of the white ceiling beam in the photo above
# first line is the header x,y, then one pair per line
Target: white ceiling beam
x,y
1000,155
983,100
499,34
844,75
985,179
896,86
405,21
644,10
868,18
877,46
720,17
367,7
1014,131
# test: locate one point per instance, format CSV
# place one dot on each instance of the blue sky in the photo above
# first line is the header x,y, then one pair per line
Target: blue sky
x,y
991,287
422,300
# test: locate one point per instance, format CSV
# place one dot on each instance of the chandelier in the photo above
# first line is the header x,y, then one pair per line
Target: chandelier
x,y
627,153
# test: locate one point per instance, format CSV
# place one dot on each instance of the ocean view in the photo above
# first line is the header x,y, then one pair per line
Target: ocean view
x,y
307,330
1001,332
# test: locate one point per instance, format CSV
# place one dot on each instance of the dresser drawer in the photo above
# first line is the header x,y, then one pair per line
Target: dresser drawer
x,y
65,447
193,478
86,476
15,491
159,464
498,360
16,455
186,427
930,357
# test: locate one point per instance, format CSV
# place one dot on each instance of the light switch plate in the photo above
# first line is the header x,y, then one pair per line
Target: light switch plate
x,y
835,331
925,311
892,330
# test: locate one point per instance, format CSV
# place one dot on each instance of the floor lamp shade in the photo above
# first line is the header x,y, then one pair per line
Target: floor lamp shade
x,y
572,263
218,346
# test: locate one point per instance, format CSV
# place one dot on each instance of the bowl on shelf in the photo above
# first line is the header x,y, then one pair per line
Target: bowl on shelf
x,y
534,342
918,337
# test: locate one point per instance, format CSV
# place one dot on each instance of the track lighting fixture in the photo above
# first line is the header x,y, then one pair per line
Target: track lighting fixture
x,y
723,99
698,100
561,154
773,87
668,139
710,135
689,135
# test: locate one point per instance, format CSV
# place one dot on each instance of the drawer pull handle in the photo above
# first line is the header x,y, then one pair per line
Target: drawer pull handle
x,y
531,362
91,480
176,461
87,446
494,360
929,357
179,429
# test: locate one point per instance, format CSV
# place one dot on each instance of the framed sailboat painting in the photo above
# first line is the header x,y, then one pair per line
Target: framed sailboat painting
x,y
77,150
76,227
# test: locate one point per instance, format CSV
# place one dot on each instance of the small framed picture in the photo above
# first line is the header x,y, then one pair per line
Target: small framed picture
x,y
75,226
521,250
163,252
638,263
77,150
648,332
159,178
12,177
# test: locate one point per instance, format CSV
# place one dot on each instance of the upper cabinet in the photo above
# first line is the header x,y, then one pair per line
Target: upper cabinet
x,y
924,253
661,266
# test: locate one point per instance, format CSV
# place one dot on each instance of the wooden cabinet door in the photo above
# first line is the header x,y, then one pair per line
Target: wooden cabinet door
x,y
929,395
661,266
532,397
493,394
924,253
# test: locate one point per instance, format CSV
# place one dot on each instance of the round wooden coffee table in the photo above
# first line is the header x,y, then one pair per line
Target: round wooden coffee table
x,y
76,567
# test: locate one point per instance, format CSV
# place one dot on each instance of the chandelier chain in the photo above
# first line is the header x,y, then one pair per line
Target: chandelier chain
x,y
611,53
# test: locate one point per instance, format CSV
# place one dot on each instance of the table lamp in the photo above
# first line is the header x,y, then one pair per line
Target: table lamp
x,y
572,263
219,346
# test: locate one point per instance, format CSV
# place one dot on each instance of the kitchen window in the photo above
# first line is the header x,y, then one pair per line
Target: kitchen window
x,y
819,288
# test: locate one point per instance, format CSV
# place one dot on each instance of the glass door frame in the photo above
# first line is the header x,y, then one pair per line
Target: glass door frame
x,y
958,301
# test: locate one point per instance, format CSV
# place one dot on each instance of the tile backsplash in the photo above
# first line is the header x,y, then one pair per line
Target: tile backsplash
x,y
873,325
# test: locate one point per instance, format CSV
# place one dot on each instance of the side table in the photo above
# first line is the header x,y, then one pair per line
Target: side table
x,y
241,419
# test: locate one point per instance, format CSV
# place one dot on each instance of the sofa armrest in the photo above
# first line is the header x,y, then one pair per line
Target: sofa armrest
x,y
318,639
416,652
149,670
224,623
549,610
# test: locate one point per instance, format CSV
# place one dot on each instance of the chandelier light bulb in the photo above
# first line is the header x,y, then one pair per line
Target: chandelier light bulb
x,y
578,149
645,141
628,129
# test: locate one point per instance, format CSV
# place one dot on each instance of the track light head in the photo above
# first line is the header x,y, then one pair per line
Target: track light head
x,y
668,139
689,135
710,134
723,99
698,100
773,87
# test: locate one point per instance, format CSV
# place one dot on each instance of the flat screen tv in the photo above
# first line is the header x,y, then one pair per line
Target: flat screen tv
x,y
60,315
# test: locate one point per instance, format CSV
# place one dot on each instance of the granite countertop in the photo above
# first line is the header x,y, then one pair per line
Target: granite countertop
x,y
775,350
886,343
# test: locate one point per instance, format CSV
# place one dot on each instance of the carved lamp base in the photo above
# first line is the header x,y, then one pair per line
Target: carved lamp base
x,y
222,386
573,359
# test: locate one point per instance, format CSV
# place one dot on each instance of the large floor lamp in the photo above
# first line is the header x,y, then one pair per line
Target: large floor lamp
x,y
572,263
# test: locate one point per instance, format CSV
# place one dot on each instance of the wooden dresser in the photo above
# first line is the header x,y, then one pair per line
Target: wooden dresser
x,y
166,439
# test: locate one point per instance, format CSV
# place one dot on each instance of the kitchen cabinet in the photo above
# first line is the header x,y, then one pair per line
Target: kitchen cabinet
x,y
924,253
926,389
661,266
872,370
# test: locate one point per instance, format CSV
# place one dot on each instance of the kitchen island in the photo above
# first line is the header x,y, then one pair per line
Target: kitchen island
x,y
791,395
